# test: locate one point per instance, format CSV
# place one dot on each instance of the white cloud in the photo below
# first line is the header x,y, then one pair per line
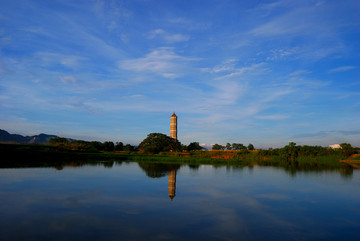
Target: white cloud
x,y
163,61
88,105
50,58
225,66
300,72
292,22
342,69
273,117
68,79
241,71
229,92
282,53
170,38
37,31
155,33
269,7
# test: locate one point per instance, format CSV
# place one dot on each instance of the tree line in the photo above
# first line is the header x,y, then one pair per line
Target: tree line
x,y
233,146
158,142
90,146
291,152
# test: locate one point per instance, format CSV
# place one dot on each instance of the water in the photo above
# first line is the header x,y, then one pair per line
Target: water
x,y
132,201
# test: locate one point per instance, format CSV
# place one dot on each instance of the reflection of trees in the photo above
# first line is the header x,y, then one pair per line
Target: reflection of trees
x,y
106,164
156,170
109,164
194,167
346,172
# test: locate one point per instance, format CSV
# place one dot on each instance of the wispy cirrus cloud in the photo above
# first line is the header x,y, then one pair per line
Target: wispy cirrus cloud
x,y
273,117
241,71
291,21
342,69
328,133
68,79
300,72
162,61
226,65
276,54
168,37
111,13
87,105
50,58
37,31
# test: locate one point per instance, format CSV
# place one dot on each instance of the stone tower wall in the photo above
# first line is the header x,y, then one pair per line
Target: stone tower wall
x,y
173,126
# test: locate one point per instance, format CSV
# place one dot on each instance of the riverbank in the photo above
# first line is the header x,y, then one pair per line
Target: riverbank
x,y
17,155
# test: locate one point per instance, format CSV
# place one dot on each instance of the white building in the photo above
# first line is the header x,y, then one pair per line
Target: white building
x,y
335,146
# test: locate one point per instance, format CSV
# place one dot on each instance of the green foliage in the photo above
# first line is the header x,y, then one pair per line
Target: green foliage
x,y
346,149
194,146
238,146
97,145
89,146
50,155
157,142
218,147
119,146
289,153
183,147
251,147
228,146
59,140
109,146
129,147
233,146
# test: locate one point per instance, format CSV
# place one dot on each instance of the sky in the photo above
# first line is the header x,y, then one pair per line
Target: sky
x,y
260,72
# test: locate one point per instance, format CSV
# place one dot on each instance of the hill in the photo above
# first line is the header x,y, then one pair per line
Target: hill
x,y
6,137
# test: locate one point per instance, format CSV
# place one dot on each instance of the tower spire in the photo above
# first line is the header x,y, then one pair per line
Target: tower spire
x,y
173,126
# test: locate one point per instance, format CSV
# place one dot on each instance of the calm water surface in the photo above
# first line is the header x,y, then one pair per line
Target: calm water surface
x,y
132,201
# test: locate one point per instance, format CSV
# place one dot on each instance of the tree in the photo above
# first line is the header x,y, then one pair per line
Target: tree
x,y
59,141
347,149
251,147
218,147
109,146
119,146
290,152
228,146
97,145
238,146
183,147
194,146
129,147
158,142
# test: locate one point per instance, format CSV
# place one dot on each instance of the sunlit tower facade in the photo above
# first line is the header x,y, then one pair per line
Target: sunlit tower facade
x,y
173,126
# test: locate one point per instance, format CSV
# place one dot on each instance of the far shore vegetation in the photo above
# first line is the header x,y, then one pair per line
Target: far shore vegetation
x,y
159,148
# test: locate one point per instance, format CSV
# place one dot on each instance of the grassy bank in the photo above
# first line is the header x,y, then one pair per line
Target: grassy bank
x,y
16,155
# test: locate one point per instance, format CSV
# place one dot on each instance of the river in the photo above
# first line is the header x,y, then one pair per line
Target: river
x,y
132,201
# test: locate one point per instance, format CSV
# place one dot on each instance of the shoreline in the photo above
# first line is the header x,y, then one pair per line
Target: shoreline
x,y
20,155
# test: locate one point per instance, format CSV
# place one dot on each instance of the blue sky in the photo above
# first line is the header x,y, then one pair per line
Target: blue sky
x,y
260,72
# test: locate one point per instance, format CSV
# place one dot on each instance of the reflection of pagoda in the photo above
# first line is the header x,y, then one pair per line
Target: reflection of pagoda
x,y
172,183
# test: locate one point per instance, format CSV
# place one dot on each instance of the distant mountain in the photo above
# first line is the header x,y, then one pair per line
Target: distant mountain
x,y
15,138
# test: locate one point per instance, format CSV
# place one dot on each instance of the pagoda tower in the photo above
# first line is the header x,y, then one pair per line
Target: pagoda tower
x,y
173,126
